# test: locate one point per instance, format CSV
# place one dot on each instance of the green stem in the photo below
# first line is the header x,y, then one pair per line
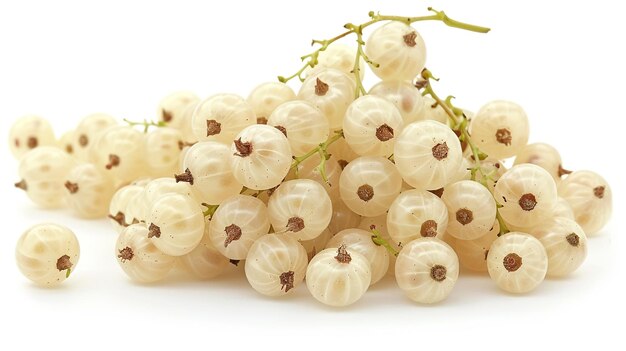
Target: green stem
x,y
146,124
378,239
503,227
321,147
210,210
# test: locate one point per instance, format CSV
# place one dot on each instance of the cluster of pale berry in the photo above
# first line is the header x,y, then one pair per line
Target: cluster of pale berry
x,y
336,185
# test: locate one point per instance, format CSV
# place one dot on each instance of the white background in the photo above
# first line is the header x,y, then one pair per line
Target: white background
x,y
63,60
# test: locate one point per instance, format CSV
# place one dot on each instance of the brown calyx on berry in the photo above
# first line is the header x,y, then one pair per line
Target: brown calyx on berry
x,y
32,142
527,202
71,187
69,148
365,192
599,192
234,262
438,192
186,177
282,129
440,151
321,88
63,263
342,255
342,163
384,132
464,216
166,116
261,120
244,149
126,254
119,217
503,136
295,224
429,229
438,273
286,281
21,185
512,262
573,239
17,142
154,231
233,232
409,39
83,140
213,127
563,171
114,161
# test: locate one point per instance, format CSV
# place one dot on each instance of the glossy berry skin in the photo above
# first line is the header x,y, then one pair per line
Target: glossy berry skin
x,y
162,151
29,132
139,258
300,208
276,264
172,108
565,243
398,51
304,125
88,191
500,129
544,156
221,117
47,254
368,185
86,133
266,97
176,224
343,217
427,270
336,283
404,96
415,214
260,157
473,253
43,172
205,261
360,241
517,262
338,56
471,209
591,199
427,154
370,126
119,151
121,213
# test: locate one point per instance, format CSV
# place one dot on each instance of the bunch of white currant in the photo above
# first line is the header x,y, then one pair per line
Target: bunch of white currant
x,y
335,183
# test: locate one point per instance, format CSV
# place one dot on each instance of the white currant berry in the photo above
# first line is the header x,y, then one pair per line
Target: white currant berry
x,y
139,258
157,188
563,209
120,152
565,243
527,194
186,127
500,129
397,50
380,224
338,56
473,253
43,172
415,214
433,111
370,126
309,169
121,215
260,157
338,277
163,146
517,262
237,223
176,224
331,91
205,261
544,156
591,199
343,217
276,264
342,153
427,154
221,117
207,170
427,270
172,108
471,209
360,241
88,191
304,125
316,245
368,185
266,97
301,208
47,254
87,131
404,96
66,142
30,132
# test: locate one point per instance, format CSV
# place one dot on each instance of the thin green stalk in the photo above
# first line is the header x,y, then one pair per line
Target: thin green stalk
x,y
146,124
378,239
